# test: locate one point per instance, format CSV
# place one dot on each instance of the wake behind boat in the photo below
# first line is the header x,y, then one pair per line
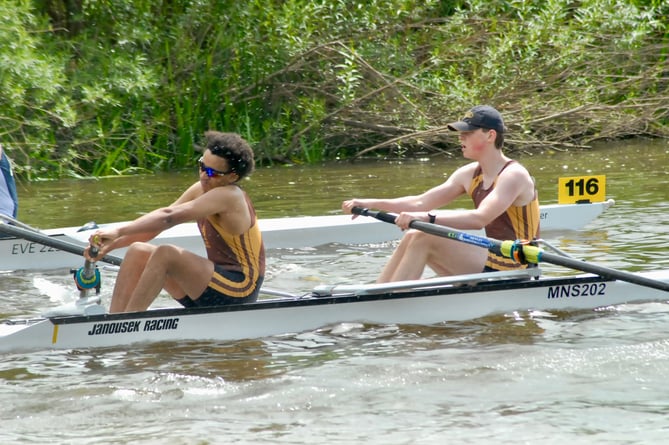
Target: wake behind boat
x,y
422,302
300,232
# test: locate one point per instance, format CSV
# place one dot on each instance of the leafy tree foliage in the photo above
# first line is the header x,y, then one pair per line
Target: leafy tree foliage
x,y
115,86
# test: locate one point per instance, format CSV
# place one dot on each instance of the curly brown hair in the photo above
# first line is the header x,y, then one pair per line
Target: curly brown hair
x,y
234,149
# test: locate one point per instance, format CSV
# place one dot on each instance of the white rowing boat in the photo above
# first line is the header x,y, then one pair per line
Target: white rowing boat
x,y
85,324
423,302
308,231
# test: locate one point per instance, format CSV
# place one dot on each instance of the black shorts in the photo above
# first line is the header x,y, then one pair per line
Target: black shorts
x,y
212,297
487,269
490,269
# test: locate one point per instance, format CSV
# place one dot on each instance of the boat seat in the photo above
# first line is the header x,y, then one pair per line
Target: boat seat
x,y
327,290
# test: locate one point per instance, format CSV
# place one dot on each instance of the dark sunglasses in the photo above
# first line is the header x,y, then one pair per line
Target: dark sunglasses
x,y
211,172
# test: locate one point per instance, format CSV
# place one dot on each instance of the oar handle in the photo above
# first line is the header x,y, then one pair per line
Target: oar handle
x,y
88,277
89,266
382,216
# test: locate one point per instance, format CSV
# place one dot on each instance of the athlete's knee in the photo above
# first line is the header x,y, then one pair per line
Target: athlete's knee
x,y
164,252
140,247
410,235
417,238
138,252
169,258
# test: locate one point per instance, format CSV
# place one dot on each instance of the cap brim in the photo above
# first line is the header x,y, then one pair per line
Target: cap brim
x,y
461,126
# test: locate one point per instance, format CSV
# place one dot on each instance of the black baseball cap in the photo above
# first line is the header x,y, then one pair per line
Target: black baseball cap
x,y
481,116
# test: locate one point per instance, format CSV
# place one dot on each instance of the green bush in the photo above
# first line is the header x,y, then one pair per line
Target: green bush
x,y
100,87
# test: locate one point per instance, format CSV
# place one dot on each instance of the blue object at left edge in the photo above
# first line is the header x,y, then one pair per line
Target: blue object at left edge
x,y
9,202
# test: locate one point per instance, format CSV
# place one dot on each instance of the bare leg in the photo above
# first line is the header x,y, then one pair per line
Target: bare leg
x,y
173,267
131,270
397,262
444,256
456,258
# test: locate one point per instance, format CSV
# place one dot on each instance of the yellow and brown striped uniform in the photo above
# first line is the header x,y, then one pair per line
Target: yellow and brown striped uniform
x,y
517,223
243,253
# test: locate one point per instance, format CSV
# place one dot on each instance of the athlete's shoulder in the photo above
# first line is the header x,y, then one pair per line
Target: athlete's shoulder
x,y
467,169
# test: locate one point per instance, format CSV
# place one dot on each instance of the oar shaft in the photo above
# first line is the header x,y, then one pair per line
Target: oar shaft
x,y
50,241
443,231
16,222
531,254
602,271
432,229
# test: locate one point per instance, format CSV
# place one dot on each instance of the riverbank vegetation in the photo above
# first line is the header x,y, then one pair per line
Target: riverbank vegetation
x,y
112,87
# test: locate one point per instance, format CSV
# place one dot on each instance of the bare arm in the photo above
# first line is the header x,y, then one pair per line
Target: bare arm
x,y
441,195
115,240
514,186
191,205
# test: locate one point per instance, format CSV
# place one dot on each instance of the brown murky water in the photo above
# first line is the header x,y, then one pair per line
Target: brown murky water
x,y
582,378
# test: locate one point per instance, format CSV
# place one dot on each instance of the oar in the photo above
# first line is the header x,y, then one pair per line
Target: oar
x,y
16,222
41,238
516,250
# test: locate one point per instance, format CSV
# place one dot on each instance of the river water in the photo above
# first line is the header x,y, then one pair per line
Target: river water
x,y
582,377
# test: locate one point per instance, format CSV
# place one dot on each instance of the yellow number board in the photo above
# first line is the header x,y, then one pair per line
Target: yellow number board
x,y
577,189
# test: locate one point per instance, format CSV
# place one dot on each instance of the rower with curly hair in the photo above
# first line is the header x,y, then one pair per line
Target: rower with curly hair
x,y
234,268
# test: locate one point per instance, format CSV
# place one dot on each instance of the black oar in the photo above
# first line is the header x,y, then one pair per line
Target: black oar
x,y
38,237
515,250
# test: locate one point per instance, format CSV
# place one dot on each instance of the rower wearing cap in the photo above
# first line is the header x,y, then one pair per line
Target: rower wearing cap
x,y
505,200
